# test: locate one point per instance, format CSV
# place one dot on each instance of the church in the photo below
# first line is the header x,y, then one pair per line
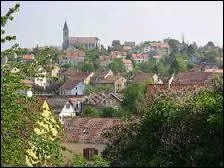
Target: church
x,y
86,42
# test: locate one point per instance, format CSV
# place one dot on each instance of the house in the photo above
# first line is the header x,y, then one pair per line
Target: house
x,y
116,81
55,71
28,58
28,82
139,57
85,136
128,65
126,48
73,57
102,100
100,75
162,49
142,77
175,87
130,44
72,107
41,78
72,87
80,76
57,104
214,70
104,60
193,77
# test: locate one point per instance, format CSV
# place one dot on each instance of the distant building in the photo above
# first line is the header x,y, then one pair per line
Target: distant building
x,y
130,44
86,42
162,49
127,64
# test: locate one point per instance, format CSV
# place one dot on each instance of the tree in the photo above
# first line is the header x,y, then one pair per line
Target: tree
x,y
87,67
116,45
149,66
117,65
211,56
19,112
177,129
133,95
174,45
91,112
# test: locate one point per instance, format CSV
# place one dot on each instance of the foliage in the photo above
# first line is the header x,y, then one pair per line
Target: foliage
x,y
178,129
117,65
87,67
116,45
97,88
97,161
90,112
79,161
133,95
149,66
19,113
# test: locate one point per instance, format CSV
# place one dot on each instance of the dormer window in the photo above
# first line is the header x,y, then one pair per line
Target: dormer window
x,y
86,130
67,106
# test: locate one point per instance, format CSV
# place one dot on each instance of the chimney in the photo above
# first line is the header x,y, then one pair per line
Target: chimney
x,y
170,81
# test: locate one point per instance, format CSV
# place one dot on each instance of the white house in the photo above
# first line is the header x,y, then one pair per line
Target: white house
x,y
72,107
41,78
68,110
74,88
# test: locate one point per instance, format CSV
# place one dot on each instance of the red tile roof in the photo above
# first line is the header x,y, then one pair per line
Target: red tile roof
x,y
214,70
157,88
193,77
80,76
87,130
28,57
75,53
126,61
142,76
28,82
69,84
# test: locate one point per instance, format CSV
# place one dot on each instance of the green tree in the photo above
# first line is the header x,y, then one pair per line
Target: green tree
x,y
87,67
19,112
117,65
133,95
176,130
116,45
91,112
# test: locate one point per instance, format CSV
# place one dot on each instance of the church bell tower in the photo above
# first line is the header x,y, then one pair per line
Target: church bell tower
x,y
65,43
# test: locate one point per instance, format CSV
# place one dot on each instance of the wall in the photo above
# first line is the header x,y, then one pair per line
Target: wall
x,y
78,89
77,148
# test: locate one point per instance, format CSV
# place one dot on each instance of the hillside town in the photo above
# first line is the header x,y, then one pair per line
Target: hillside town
x,y
91,89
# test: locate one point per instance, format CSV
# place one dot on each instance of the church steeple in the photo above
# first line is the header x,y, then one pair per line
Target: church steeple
x,y
65,26
65,43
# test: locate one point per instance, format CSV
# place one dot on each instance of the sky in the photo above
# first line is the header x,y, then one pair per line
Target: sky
x,y
41,22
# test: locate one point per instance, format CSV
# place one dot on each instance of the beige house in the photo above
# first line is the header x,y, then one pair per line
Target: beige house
x,y
128,65
55,71
84,136
103,100
117,82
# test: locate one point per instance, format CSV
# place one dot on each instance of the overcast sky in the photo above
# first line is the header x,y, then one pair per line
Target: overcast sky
x,y
42,22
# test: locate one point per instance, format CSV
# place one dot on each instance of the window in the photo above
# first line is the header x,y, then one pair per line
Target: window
x,y
86,130
88,153
67,106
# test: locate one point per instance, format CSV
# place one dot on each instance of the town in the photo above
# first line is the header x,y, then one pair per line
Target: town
x,y
90,88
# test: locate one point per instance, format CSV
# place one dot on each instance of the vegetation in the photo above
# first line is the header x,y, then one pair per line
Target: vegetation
x,y
176,130
117,66
19,112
